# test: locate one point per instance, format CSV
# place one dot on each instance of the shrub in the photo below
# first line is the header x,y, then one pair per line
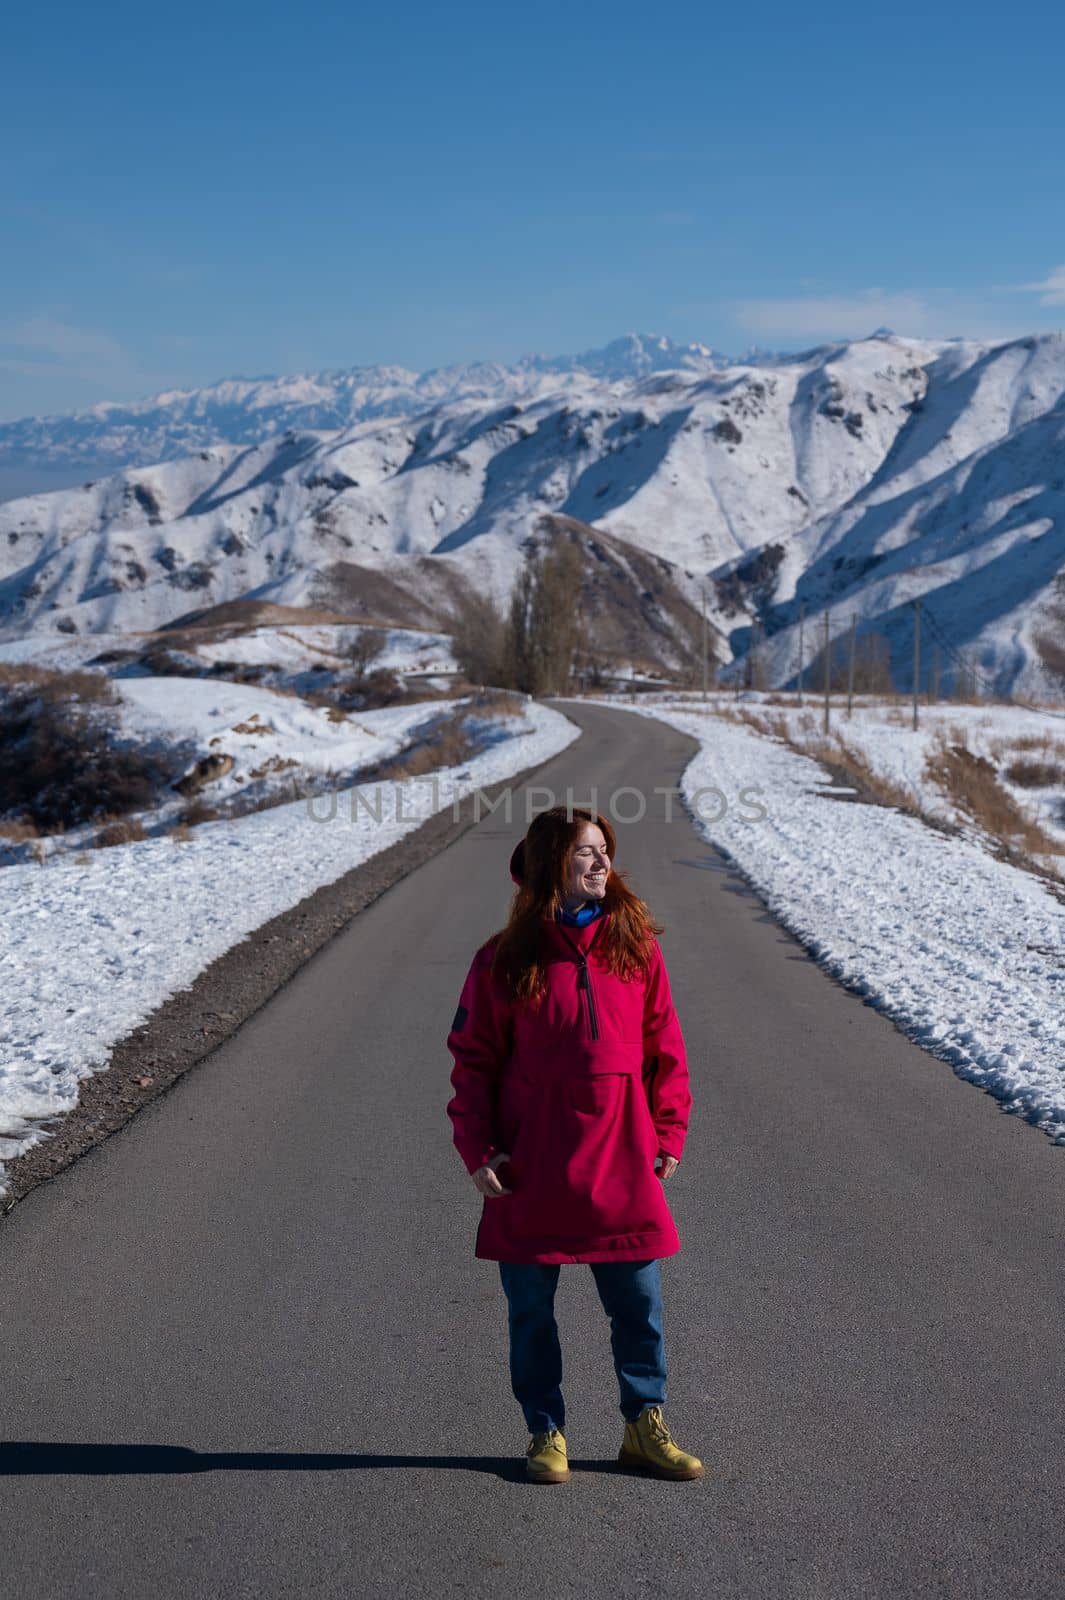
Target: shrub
x,y
59,764
367,646
126,831
1035,774
198,811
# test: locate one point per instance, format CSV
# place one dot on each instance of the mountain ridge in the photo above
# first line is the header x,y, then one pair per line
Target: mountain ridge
x,y
238,410
849,479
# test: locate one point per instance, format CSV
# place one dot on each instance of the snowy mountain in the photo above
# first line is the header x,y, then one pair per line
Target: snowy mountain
x,y
851,478
966,511
247,411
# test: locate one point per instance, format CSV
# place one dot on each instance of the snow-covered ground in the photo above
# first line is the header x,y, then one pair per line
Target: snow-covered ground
x,y
267,735
90,945
299,648
883,734
279,741
286,652
965,953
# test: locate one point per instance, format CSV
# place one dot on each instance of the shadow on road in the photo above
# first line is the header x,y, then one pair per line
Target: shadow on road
x,y
31,1458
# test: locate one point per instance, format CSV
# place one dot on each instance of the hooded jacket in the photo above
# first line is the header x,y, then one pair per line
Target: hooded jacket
x,y
583,1092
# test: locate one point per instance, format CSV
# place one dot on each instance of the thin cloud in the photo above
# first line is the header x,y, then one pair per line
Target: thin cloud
x,y
48,364
46,335
836,316
1051,291
931,314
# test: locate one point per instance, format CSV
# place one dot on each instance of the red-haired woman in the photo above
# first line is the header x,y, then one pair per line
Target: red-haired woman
x,y
570,1111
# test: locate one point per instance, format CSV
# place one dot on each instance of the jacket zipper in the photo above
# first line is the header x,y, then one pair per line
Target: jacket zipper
x,y
584,981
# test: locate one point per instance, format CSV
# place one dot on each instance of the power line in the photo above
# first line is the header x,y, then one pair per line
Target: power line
x,y
969,666
956,655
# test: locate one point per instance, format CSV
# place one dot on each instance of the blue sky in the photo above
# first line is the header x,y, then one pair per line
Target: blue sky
x,y
208,190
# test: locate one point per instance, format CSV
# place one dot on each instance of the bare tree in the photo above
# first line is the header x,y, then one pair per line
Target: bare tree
x,y
541,633
534,648
364,649
478,641
556,591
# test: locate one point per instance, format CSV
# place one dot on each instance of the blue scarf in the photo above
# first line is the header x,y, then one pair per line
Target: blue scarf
x,y
581,918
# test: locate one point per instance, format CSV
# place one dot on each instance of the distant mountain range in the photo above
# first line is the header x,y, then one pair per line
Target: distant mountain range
x,y
249,410
849,479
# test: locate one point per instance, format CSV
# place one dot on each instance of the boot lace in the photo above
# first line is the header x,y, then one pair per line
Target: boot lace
x,y
656,1426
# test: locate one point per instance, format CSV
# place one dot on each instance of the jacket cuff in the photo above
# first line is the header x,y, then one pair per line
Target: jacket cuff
x,y
671,1144
479,1157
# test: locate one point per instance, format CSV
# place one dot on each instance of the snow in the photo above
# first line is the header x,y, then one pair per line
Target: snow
x,y
274,737
965,953
245,411
883,734
866,474
90,946
263,731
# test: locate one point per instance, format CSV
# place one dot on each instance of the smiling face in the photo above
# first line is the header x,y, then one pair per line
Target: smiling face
x,y
587,868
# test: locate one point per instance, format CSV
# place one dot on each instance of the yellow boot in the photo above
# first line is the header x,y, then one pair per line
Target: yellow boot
x,y
649,1447
546,1460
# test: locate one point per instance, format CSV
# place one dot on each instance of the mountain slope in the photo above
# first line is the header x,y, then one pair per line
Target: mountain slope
x,y
967,511
851,478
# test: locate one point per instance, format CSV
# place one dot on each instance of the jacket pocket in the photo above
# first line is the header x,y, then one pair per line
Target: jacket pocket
x,y
596,1093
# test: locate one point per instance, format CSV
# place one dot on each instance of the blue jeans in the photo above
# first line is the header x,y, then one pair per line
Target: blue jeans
x,y
631,1294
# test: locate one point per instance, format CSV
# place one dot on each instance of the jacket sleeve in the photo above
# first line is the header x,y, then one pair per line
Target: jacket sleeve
x,y
480,1040
665,1061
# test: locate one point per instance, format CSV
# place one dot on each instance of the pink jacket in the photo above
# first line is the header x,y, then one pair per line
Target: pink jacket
x,y
583,1093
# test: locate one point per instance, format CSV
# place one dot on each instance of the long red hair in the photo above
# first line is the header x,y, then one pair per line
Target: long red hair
x,y
626,941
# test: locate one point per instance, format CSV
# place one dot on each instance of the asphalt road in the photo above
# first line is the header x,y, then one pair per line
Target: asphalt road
x,y
247,1349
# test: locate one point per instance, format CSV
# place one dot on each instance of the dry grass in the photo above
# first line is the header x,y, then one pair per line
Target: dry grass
x,y
198,811
48,687
271,765
972,784
127,830
835,752
841,759
496,703
19,830
969,781
764,725
1035,774
445,740
447,746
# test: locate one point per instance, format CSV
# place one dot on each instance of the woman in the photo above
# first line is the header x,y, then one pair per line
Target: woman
x,y
570,1112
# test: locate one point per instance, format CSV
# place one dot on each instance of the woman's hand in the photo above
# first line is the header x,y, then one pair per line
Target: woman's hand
x,y
486,1180
665,1166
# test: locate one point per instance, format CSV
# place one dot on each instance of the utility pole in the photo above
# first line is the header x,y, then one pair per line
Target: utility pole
x,y
850,664
824,652
916,656
575,664
705,646
756,653
802,620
